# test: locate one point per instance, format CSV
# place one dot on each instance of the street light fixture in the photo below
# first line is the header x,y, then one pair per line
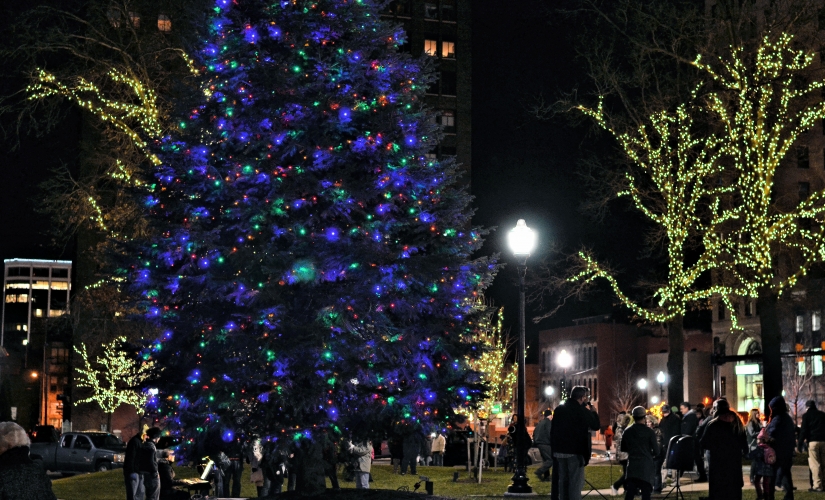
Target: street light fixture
x,y
642,384
565,361
661,377
522,241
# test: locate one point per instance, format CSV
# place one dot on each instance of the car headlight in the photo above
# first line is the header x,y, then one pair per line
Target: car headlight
x,y
119,457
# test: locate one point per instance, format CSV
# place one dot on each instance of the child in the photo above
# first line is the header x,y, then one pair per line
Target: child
x,y
762,471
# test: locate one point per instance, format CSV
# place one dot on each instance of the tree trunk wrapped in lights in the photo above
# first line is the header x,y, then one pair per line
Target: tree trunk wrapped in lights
x,y
312,266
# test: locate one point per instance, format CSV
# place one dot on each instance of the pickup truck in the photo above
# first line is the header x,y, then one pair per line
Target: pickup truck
x,y
76,452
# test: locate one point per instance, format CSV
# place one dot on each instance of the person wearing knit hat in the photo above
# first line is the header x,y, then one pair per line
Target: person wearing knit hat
x,y
640,443
782,432
725,440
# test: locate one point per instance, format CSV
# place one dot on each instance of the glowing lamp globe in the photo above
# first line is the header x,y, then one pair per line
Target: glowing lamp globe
x,y
564,359
522,239
548,391
642,384
660,377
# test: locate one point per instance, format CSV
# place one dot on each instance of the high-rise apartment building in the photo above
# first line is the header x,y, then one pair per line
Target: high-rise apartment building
x,y
441,29
35,369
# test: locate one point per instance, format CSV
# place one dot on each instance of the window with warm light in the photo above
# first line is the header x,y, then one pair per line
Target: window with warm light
x,y
164,23
134,18
448,49
113,15
431,47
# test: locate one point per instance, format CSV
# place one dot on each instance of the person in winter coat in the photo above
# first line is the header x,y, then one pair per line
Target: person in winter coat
x,y
541,439
639,442
274,466
781,437
690,420
167,478
725,439
413,444
360,453
752,430
396,446
570,439
438,448
761,471
653,423
131,471
670,424
255,459
148,464
330,453
608,437
813,434
622,422
20,478
426,451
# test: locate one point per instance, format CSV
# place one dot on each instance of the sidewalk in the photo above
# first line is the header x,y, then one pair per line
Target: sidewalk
x,y
800,480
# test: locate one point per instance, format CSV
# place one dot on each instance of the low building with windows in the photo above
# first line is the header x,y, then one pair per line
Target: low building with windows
x,y
610,359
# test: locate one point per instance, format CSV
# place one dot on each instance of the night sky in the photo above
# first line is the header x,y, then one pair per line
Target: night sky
x,y
522,167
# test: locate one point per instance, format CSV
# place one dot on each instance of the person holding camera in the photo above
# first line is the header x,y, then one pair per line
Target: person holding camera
x,y
570,440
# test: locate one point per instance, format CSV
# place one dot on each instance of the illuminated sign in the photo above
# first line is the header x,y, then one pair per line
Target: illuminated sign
x,y
752,369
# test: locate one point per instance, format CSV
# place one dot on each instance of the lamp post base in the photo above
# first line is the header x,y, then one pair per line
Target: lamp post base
x,y
519,486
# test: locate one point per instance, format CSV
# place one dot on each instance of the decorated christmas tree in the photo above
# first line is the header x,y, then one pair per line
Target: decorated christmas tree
x,y
313,265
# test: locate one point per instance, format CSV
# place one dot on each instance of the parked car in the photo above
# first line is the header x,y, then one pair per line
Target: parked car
x,y
76,452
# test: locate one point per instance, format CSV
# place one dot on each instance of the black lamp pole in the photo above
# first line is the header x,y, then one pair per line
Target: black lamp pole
x,y
519,485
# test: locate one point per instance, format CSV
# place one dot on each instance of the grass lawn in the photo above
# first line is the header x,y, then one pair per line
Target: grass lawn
x,y
109,485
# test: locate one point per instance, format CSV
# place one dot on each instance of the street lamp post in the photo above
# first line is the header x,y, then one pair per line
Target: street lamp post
x,y
565,361
522,240
661,379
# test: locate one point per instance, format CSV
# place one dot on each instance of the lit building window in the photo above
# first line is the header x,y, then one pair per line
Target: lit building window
x,y
164,23
815,321
448,49
448,121
800,323
134,18
431,47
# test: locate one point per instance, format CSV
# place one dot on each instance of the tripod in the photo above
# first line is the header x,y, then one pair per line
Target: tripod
x,y
593,490
677,487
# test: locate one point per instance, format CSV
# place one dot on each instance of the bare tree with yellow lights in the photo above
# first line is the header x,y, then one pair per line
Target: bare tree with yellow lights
x,y
705,177
113,379
498,375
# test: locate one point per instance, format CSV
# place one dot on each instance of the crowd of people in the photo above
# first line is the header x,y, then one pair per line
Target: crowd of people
x,y
714,444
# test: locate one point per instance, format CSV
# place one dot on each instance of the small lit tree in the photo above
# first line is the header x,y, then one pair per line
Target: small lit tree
x,y
114,379
498,375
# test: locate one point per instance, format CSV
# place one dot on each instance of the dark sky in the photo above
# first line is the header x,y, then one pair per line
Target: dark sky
x,y
522,167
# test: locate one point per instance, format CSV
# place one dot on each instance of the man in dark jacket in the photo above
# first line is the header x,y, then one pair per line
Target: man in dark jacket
x,y
148,464
639,442
541,438
570,439
690,422
813,432
725,440
413,442
167,478
131,471
670,425
781,433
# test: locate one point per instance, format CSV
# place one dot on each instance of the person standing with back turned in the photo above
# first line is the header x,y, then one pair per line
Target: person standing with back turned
x,y
813,433
570,439
541,439
640,444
